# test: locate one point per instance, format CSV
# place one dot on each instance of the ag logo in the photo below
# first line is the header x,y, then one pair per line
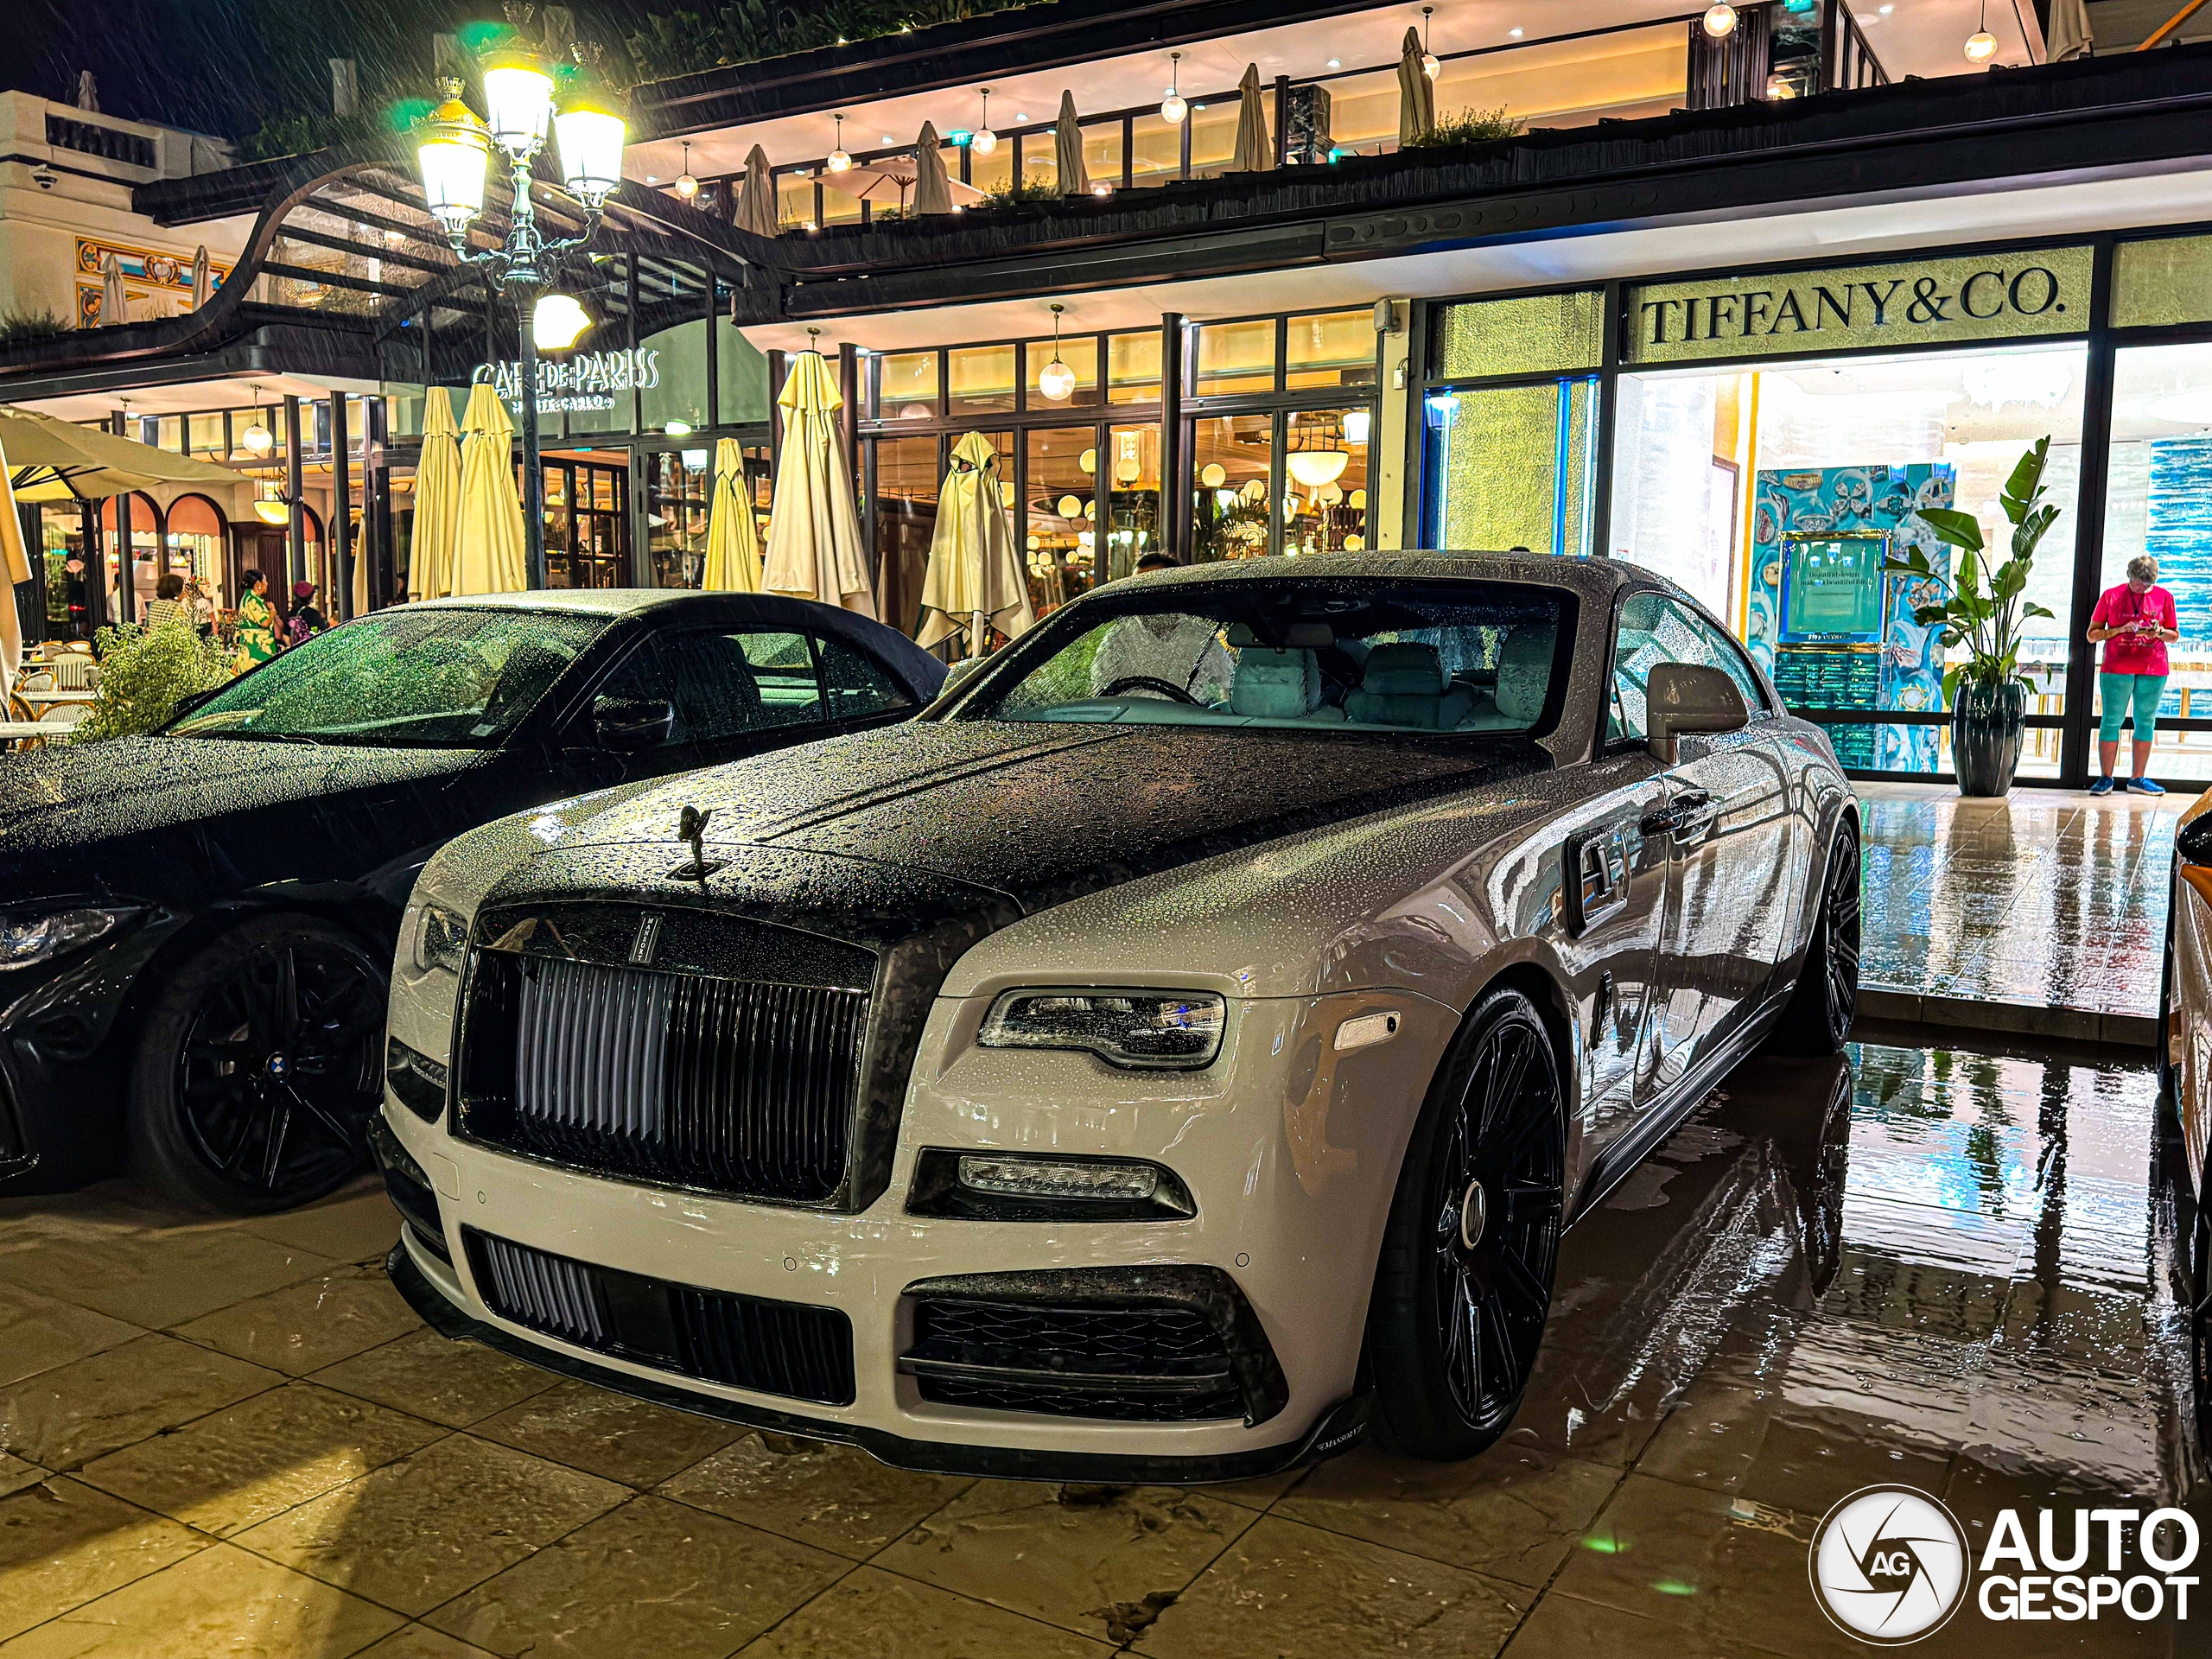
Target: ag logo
x,y
1889,1564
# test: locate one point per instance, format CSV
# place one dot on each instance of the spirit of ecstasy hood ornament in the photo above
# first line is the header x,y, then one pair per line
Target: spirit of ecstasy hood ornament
x,y
692,826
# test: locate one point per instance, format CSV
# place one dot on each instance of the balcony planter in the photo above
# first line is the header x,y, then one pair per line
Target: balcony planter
x,y
1988,721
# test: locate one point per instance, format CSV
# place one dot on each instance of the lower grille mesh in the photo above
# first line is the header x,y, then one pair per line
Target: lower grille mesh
x,y
1132,1364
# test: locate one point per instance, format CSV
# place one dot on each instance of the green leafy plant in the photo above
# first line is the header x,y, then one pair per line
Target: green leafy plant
x,y
145,673
1986,608
1010,192
17,327
1469,126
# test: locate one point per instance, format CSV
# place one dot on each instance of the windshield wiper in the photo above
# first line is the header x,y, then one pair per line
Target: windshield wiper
x,y
259,737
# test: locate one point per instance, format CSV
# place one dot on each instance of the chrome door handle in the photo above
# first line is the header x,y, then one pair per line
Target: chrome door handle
x,y
1685,815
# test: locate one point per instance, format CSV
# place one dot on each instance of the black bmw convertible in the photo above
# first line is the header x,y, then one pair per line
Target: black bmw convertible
x,y
196,928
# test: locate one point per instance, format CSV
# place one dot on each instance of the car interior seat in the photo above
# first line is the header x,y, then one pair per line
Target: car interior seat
x,y
1524,676
1279,683
1405,685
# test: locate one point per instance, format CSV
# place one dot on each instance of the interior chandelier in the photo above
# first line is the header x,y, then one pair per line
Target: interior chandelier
x,y
1431,64
839,161
1981,45
257,438
983,141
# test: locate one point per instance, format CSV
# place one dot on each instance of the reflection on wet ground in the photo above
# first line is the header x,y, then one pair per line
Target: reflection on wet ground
x,y
1933,1268
2045,897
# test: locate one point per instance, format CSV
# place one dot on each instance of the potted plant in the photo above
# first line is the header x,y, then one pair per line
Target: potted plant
x,y
1985,613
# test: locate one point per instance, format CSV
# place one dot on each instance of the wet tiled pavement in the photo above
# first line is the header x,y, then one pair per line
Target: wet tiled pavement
x,y
1933,1268
2044,899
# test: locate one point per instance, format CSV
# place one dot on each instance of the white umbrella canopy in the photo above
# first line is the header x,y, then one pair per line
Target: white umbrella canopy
x,y
55,460
1256,152
732,539
14,566
932,188
2069,35
814,534
113,308
892,178
1417,92
975,581
203,283
488,555
756,203
1067,150
438,500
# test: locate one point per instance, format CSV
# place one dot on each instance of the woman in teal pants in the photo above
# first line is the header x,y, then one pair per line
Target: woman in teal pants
x,y
2135,622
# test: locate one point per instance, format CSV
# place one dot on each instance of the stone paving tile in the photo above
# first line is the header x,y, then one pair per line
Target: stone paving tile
x,y
871,1614
76,1411
1090,1559
158,1277
1566,1627
652,1577
62,1544
420,1642
39,1332
836,1497
305,1326
219,1601
1283,1590
606,1433
356,1223
416,1532
1510,1514
456,1383
236,1468
15,1474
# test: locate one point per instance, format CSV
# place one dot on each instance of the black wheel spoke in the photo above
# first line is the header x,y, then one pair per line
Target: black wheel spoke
x,y
1516,1285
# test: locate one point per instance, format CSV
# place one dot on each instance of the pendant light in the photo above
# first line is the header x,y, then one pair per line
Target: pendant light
x,y
686,186
839,161
1056,380
983,141
257,438
1431,64
1981,45
1172,109
1721,20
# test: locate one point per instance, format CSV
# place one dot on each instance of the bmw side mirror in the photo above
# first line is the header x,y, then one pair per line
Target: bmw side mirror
x,y
1688,700
628,725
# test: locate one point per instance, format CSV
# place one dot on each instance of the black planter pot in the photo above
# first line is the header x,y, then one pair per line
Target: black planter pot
x,y
1987,725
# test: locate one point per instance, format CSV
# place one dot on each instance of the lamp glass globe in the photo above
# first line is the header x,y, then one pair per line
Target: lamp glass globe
x,y
1982,46
1172,109
1056,380
1721,20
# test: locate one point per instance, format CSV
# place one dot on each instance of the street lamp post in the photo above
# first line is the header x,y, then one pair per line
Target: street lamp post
x,y
454,156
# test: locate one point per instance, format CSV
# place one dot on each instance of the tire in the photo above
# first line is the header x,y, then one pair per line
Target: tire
x,y
259,1067
1817,1019
1459,1303
2198,1278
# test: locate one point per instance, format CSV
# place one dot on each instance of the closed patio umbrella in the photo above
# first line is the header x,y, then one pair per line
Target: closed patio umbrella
x,y
1417,92
203,283
1067,150
113,308
1256,152
2069,35
732,539
437,499
15,566
487,543
756,202
814,534
975,581
932,189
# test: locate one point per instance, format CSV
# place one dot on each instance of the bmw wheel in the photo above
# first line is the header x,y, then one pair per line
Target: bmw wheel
x,y
1465,1284
1818,1018
260,1068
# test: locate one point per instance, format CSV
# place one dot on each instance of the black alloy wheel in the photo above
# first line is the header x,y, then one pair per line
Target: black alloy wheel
x,y
1466,1281
2200,1327
1819,1016
260,1067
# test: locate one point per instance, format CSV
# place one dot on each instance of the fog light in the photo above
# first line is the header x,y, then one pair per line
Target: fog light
x,y
1029,1177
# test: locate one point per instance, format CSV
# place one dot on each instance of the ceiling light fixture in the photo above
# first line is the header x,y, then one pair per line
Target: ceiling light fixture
x,y
1721,20
839,161
1056,380
1172,109
1431,64
257,438
984,141
1981,45
686,186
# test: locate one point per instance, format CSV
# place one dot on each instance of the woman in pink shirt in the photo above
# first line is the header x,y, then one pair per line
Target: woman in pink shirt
x,y
2135,622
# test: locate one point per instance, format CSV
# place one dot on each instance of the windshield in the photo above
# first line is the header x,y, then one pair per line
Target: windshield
x,y
1326,654
434,678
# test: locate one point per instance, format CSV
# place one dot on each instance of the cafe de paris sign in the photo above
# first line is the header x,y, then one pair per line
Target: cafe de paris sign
x,y
586,381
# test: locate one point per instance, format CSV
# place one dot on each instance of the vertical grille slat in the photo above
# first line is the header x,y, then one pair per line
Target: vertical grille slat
x,y
735,1085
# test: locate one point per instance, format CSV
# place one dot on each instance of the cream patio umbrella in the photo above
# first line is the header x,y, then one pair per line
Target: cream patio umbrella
x,y
1417,92
55,460
437,499
15,565
2069,35
932,189
113,308
756,202
487,540
1255,151
975,581
203,282
732,539
1067,150
814,535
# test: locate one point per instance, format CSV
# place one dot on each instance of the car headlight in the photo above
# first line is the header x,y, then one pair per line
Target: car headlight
x,y
441,939
27,939
1142,1030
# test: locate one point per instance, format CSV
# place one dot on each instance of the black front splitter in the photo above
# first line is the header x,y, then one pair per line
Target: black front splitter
x,y
1339,1429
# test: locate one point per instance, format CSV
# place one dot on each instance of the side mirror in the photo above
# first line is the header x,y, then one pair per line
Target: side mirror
x,y
630,725
2193,840
1685,700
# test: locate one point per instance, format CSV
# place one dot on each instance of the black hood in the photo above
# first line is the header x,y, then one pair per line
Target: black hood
x,y
183,820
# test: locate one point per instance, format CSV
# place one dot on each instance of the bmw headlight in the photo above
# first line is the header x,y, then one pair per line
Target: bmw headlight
x,y
439,939
1142,1030
25,939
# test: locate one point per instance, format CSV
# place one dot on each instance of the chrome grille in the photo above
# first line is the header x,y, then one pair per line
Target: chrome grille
x,y
735,1085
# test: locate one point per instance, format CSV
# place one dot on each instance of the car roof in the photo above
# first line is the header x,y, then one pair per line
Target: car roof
x,y
1597,578
598,602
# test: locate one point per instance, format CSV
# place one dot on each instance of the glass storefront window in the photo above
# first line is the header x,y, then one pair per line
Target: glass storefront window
x,y
1155,150
1236,357
1133,368
1231,458
1336,348
1060,523
906,386
992,173
981,379
1540,334
1213,134
1363,111
678,486
205,432
795,200
1079,352
1131,466
1511,466
909,472
1325,480
1102,153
